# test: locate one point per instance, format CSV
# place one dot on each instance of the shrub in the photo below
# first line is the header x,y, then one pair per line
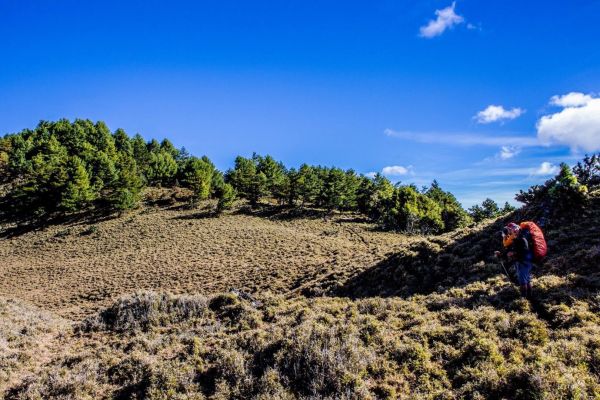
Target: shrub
x,y
144,310
321,361
323,348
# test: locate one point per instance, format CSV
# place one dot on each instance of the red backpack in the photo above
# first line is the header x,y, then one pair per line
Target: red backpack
x,y
537,239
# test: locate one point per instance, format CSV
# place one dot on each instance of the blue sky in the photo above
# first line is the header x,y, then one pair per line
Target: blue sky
x,y
395,86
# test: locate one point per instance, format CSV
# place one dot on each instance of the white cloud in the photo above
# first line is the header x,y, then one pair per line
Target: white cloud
x,y
396,170
546,168
446,18
371,174
463,139
507,152
464,176
573,99
577,125
495,113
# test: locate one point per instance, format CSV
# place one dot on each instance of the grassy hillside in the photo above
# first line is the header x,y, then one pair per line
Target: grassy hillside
x,y
76,267
322,308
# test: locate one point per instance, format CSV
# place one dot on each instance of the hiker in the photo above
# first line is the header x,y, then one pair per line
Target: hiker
x,y
517,249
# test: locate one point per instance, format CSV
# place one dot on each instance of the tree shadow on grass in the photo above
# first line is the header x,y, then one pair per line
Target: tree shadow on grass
x,y
17,226
202,214
283,212
278,212
429,265
353,219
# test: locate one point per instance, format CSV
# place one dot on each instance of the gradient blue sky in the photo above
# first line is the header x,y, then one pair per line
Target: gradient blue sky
x,y
351,84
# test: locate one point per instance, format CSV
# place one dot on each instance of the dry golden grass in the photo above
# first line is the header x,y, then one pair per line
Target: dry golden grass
x,y
73,269
29,338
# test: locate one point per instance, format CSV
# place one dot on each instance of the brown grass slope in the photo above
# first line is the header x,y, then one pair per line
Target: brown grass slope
x,y
78,267
421,318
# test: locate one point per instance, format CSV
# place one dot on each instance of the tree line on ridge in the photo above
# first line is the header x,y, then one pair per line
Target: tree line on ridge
x,y
64,167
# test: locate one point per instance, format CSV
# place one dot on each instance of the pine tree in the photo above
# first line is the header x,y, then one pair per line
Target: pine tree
x,y
246,179
507,208
78,192
71,136
410,211
488,209
153,146
383,191
167,146
198,176
587,171
293,190
277,182
334,190
48,176
127,187
5,150
19,162
217,182
309,184
122,142
161,169
140,152
226,196
566,193
350,190
453,214
365,195
104,171
102,139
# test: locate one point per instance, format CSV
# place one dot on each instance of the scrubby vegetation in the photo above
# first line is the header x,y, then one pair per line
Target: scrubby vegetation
x,y
26,333
160,346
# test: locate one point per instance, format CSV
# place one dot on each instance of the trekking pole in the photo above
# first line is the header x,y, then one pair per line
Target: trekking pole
x,y
505,271
510,280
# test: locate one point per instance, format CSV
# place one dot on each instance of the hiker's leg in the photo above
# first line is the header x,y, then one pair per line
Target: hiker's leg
x,y
522,277
523,289
525,277
529,291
